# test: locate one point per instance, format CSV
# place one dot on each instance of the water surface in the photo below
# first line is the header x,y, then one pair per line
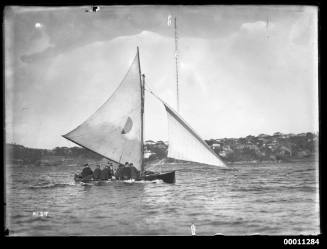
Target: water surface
x,y
266,198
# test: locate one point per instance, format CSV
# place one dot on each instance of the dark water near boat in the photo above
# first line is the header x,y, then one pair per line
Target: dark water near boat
x,y
256,198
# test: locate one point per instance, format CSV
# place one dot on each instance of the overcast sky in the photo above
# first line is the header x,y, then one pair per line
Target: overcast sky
x,y
243,69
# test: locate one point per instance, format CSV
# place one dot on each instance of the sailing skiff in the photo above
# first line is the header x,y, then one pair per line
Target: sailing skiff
x,y
115,130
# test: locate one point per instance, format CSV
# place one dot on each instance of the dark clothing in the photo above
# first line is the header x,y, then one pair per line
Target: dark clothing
x,y
119,172
87,171
88,177
126,173
111,172
96,174
134,173
105,174
149,172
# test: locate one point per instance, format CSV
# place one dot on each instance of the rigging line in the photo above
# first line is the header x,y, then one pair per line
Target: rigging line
x,y
176,62
150,90
148,85
155,95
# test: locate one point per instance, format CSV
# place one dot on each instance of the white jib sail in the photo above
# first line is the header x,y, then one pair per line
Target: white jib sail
x,y
185,144
114,130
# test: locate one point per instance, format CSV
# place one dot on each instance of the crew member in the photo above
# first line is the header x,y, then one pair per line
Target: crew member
x,y
96,173
119,171
105,173
110,167
134,172
126,172
87,172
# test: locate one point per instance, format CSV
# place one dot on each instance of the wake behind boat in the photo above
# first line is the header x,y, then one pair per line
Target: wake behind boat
x,y
115,131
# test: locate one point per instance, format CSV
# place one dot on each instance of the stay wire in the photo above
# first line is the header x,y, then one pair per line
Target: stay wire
x,y
150,90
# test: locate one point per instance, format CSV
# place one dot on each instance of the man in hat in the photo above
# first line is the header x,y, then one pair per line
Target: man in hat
x,y
105,173
87,172
112,169
119,171
126,172
96,173
134,172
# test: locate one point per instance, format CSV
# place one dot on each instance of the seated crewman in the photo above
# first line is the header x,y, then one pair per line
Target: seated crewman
x,y
126,172
87,172
119,171
96,173
135,174
105,174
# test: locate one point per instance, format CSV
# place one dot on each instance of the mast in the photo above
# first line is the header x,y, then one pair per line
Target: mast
x,y
142,76
176,58
142,121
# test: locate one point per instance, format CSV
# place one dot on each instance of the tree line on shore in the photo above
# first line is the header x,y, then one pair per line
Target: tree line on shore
x,y
21,154
276,147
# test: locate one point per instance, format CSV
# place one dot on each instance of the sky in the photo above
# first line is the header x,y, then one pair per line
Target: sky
x,y
243,70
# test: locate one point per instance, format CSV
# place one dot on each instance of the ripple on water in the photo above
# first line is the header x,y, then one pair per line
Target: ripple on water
x,y
256,198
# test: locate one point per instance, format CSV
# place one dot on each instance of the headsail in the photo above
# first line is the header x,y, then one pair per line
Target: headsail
x,y
114,130
185,144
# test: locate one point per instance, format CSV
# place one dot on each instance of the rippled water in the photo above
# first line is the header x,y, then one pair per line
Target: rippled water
x,y
254,198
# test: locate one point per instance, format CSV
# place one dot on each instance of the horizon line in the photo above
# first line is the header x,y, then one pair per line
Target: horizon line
x,y
313,132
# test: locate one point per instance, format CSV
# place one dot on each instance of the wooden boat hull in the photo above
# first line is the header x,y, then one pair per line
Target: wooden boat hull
x,y
167,177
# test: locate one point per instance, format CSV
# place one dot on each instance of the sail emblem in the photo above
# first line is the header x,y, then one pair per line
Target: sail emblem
x,y
128,126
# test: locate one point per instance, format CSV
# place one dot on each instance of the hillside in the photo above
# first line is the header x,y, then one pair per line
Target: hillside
x,y
276,147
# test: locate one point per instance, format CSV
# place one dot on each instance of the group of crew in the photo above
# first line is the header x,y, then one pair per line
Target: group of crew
x,y
123,172
127,172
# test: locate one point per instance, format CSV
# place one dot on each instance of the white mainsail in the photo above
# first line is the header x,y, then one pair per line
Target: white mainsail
x,y
185,144
115,130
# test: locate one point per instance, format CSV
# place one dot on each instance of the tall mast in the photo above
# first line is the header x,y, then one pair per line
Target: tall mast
x,y
142,76
142,122
176,58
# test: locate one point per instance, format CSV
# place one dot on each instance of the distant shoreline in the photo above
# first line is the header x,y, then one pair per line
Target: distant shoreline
x,y
162,162
291,161
251,149
153,163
